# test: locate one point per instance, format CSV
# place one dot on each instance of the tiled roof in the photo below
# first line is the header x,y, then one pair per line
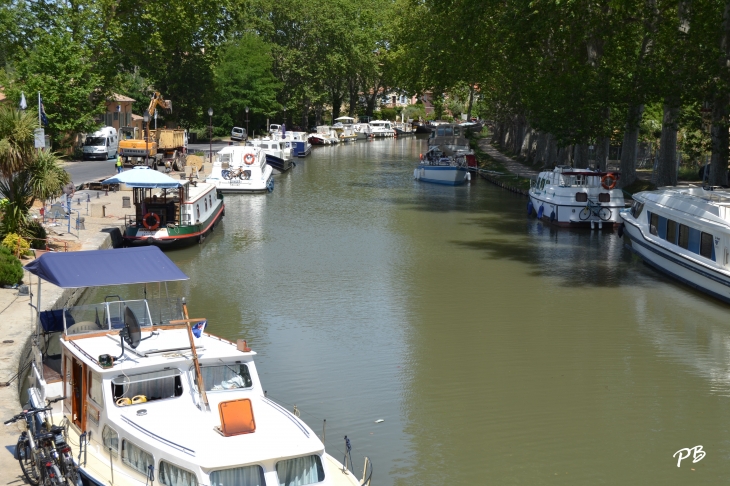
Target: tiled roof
x,y
118,97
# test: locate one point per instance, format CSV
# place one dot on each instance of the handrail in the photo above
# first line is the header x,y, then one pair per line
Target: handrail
x,y
367,475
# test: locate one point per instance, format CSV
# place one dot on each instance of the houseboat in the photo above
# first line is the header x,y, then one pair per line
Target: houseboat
x,y
566,196
685,233
278,155
168,212
239,169
148,392
448,159
382,128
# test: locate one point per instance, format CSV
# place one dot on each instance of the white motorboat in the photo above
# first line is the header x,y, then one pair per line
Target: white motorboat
x,y
298,142
438,167
382,128
239,168
363,131
345,129
685,233
329,134
148,393
278,154
576,197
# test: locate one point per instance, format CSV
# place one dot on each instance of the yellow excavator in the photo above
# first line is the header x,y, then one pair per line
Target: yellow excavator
x,y
134,147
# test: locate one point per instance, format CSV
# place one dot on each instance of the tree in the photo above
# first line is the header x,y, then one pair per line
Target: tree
x,y
27,174
243,78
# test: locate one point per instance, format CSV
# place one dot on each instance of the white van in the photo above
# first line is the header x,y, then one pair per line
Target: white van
x,y
102,144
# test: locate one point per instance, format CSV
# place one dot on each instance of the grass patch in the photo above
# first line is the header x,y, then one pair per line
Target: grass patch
x,y
637,186
688,173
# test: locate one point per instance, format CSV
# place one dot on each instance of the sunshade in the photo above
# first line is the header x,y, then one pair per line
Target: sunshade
x,y
144,177
344,118
98,268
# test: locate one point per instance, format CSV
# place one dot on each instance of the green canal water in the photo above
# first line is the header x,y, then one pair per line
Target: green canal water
x,y
496,349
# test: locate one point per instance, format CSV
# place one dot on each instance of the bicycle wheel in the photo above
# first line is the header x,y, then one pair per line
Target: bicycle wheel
x,y
28,464
584,214
226,175
604,214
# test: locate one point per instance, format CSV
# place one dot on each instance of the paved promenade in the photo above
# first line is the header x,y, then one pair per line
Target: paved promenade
x,y
104,216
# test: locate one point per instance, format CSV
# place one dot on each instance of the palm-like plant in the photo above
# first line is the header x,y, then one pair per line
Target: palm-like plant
x,y
25,173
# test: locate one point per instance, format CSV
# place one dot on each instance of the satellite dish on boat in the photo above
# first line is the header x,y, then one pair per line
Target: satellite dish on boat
x,y
131,333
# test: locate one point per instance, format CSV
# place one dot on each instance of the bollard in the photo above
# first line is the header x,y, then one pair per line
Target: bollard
x,y
97,194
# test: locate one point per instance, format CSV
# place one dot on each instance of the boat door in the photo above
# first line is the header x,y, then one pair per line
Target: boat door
x,y
75,389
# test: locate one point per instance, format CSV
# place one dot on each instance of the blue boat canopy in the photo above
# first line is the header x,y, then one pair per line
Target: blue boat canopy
x,y
144,177
98,268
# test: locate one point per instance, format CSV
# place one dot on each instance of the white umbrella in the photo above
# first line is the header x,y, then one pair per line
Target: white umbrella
x,y
144,177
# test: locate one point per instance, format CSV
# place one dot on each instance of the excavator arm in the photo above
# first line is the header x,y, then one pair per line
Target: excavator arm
x,y
158,101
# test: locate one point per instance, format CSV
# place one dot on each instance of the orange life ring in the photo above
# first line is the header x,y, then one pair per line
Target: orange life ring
x,y
151,226
421,156
249,158
609,185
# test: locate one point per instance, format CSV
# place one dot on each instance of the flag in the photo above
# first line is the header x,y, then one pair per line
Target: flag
x,y
23,104
42,111
198,328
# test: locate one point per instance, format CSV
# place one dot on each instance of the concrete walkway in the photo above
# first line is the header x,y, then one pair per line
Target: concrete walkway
x,y
104,217
511,165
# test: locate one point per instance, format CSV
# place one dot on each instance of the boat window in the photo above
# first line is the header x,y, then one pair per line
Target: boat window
x,y
654,224
111,439
671,235
439,132
225,158
264,145
239,476
136,458
300,471
706,246
604,197
683,236
449,131
95,391
171,475
145,387
224,377
636,209
206,204
581,197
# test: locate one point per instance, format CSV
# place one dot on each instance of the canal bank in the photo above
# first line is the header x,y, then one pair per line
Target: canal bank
x,y
101,230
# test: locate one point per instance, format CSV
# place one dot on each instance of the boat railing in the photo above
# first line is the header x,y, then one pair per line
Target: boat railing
x,y
367,472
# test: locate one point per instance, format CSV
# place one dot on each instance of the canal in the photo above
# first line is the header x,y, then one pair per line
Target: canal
x,y
495,349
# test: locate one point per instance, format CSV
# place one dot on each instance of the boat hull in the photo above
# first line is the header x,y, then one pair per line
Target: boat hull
x,y
690,271
178,237
278,164
436,174
300,148
567,215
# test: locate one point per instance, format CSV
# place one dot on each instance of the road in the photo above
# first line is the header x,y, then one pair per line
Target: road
x,y
96,170
89,171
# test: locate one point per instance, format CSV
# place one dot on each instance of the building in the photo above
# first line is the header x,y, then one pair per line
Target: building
x,y
118,111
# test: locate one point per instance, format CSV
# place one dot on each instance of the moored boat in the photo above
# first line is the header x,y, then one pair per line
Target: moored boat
x,y
382,128
684,233
149,392
576,197
278,155
239,168
438,167
168,212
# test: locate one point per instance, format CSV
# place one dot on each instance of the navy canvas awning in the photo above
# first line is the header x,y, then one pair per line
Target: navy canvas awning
x,y
98,268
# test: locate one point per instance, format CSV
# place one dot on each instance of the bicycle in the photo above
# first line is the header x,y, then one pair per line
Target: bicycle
x,y
42,451
595,209
239,172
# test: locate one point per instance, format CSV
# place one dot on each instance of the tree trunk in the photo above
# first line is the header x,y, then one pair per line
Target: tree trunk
x,y
603,145
666,173
580,156
526,142
630,145
305,114
540,151
552,152
563,158
720,140
471,103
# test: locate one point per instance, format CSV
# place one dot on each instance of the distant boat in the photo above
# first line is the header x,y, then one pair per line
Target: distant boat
x,y
382,128
685,233
239,168
278,155
448,159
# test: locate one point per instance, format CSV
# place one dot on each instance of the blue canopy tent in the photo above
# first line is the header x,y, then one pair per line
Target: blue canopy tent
x,y
97,268
144,177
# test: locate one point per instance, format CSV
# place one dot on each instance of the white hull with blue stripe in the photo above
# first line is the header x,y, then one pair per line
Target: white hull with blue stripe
x,y
684,233
440,174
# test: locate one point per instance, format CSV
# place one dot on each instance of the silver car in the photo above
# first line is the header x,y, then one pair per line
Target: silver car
x,y
239,134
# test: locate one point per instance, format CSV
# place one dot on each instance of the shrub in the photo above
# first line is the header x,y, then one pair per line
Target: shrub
x,y
11,270
37,233
15,243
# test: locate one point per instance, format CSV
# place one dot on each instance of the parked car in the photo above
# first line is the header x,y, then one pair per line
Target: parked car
x,y
239,134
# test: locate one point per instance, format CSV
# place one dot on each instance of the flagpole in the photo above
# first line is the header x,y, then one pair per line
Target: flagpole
x,y
39,109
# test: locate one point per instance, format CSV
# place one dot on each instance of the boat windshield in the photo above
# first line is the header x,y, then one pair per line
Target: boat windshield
x,y
224,377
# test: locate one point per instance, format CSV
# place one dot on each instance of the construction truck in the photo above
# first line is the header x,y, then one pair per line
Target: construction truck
x,y
172,144
137,148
